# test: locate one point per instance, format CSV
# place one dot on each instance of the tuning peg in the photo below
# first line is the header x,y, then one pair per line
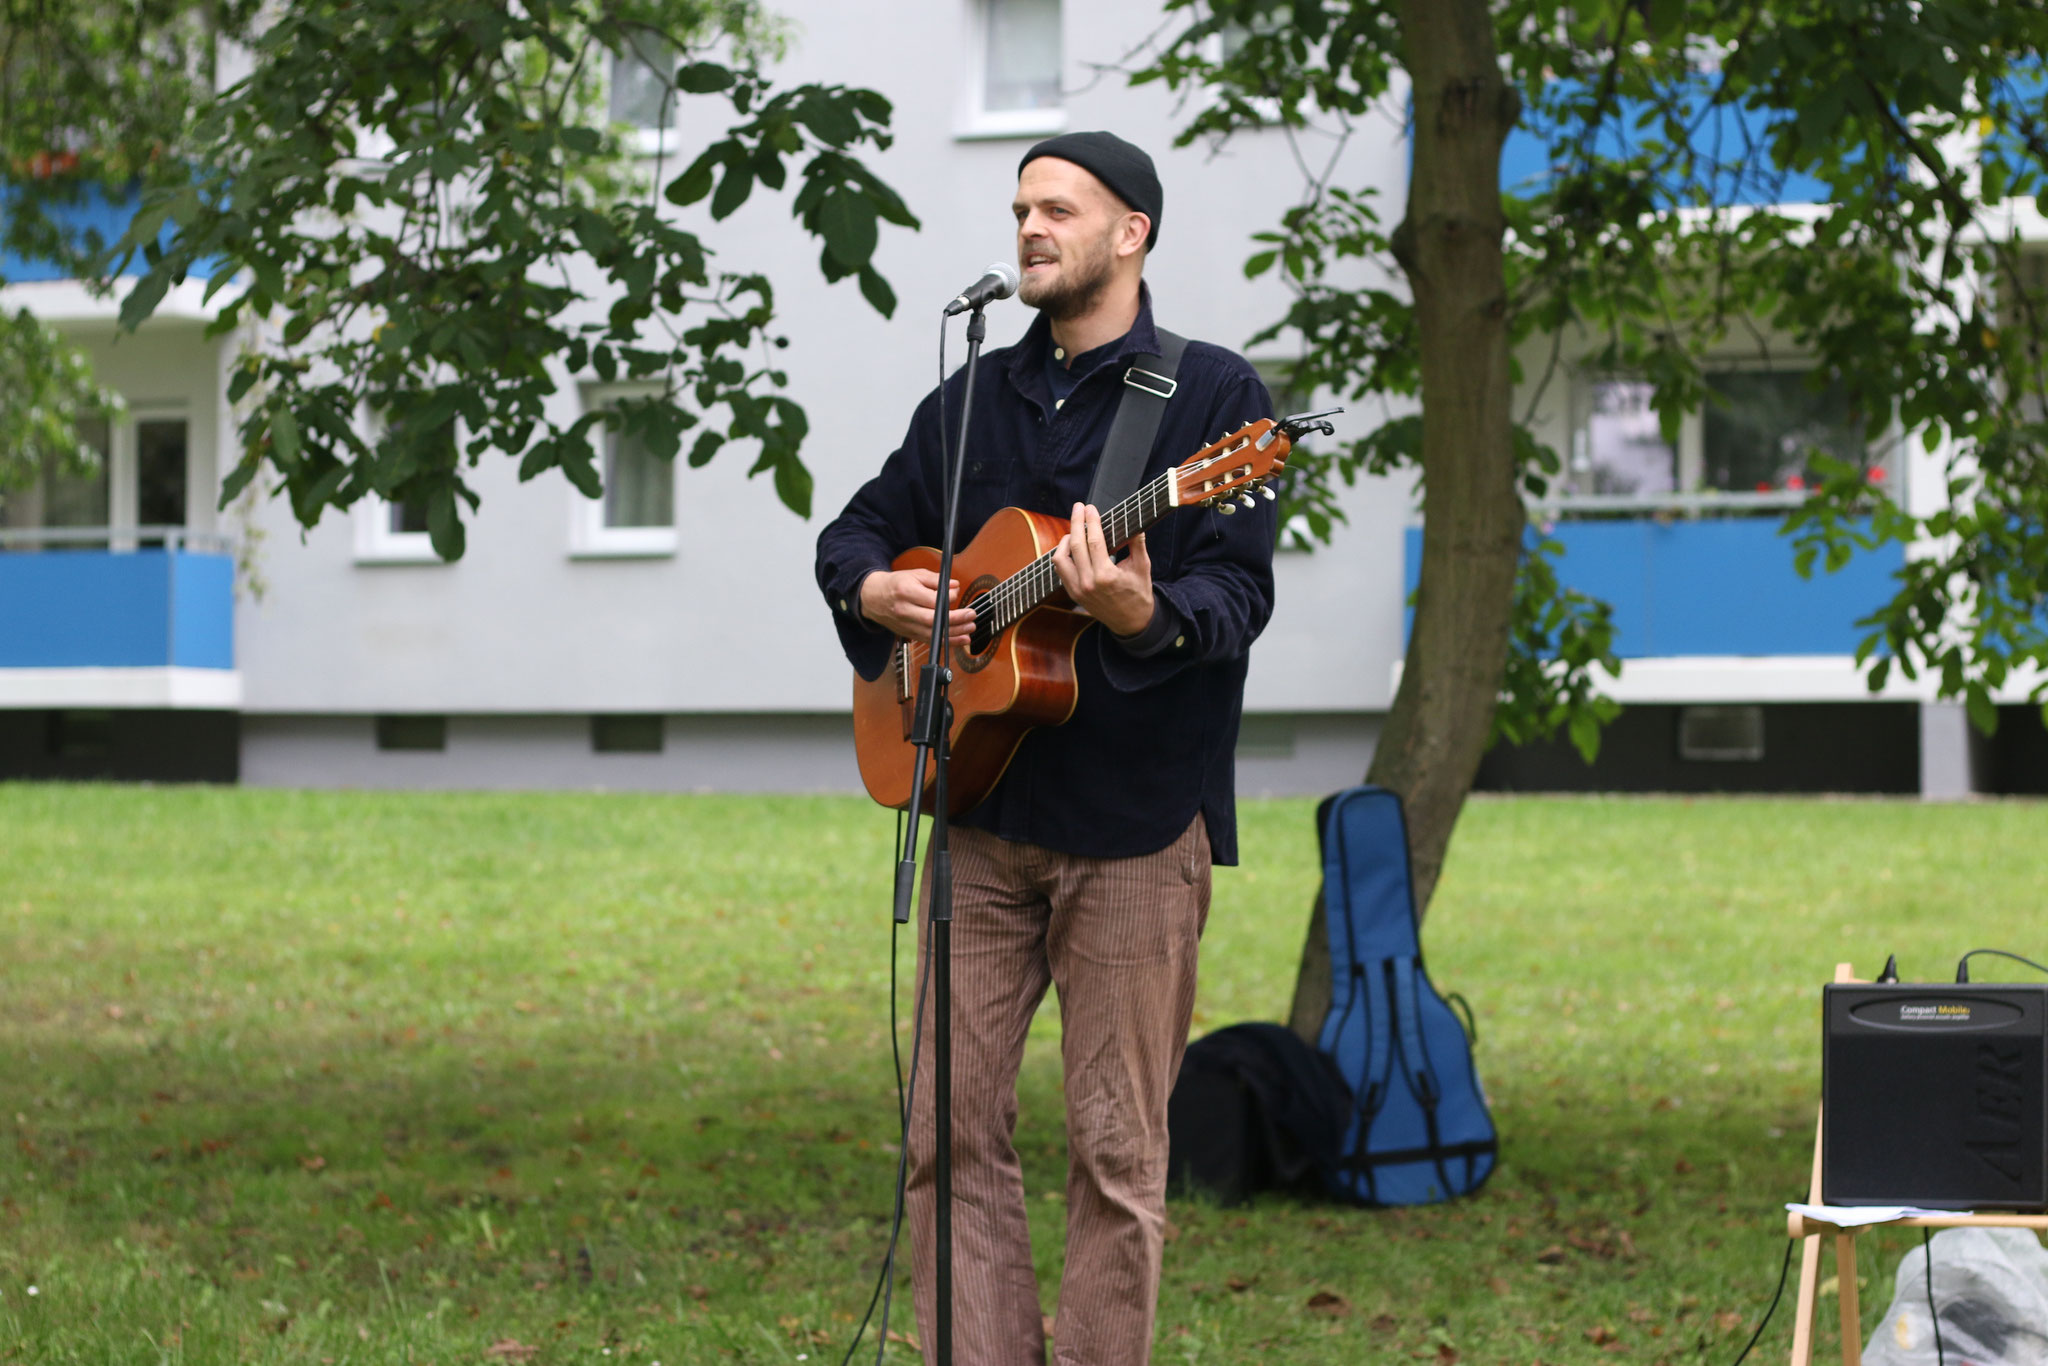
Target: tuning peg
x,y
1227,508
1247,500
1267,493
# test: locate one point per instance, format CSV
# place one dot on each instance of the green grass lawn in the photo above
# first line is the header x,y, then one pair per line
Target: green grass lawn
x,y
370,1078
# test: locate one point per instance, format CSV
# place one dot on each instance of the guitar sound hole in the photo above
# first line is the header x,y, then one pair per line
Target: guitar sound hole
x,y
981,645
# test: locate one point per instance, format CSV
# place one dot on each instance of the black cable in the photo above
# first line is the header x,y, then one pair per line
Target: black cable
x,y
1784,1270
885,1283
1933,1316
1963,963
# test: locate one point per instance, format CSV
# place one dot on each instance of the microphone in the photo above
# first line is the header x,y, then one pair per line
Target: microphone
x,y
999,281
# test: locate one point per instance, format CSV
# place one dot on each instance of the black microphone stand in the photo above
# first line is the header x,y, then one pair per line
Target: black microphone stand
x,y
931,732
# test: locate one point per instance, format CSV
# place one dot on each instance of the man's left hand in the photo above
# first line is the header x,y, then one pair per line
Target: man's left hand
x,y
1117,595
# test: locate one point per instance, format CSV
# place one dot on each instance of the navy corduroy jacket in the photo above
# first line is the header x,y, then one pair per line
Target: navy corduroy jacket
x,y
1152,738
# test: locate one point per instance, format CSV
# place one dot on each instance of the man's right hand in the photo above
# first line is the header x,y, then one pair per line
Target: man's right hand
x,y
903,600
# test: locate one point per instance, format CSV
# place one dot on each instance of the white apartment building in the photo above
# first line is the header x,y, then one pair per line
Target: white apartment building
x,y
669,636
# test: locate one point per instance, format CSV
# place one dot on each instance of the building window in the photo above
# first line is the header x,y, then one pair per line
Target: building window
x,y
643,94
160,462
626,734
63,494
1016,91
1761,428
636,514
81,734
1721,734
1757,433
419,733
1618,447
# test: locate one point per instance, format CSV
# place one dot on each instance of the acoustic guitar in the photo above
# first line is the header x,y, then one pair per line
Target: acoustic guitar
x,y
1017,669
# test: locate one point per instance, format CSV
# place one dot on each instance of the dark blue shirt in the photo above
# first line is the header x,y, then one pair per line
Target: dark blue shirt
x,y
1153,735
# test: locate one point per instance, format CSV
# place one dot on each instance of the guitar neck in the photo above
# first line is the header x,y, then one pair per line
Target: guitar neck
x,y
1036,582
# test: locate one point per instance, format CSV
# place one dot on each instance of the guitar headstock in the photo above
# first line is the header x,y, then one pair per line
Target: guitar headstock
x,y
1227,473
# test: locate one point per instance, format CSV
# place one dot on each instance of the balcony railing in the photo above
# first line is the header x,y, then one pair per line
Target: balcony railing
x,y
116,598
1683,584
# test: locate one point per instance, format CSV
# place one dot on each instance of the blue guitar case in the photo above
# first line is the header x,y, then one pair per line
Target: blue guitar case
x,y
1419,1131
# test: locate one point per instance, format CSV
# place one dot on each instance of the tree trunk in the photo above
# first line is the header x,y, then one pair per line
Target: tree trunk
x,y
1449,245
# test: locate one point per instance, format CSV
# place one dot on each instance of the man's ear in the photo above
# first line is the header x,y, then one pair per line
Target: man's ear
x,y
1131,234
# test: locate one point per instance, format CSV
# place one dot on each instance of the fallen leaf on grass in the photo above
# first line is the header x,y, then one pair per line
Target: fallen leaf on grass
x,y
1600,1335
1446,1355
906,1339
510,1349
699,1293
1385,1323
314,1163
1552,1255
1727,1321
1328,1302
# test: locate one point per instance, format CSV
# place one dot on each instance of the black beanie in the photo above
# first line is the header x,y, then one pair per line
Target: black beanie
x,y
1123,168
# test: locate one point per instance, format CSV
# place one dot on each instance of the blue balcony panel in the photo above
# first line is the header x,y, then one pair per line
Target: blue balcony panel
x,y
1725,137
1717,587
117,610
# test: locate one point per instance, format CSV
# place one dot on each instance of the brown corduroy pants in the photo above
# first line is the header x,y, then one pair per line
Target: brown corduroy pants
x,y
1118,938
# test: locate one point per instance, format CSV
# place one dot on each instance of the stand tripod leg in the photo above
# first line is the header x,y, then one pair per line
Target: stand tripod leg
x,y
1852,1309
1805,1308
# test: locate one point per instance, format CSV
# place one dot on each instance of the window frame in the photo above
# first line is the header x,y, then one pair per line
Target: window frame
x,y
977,122
589,537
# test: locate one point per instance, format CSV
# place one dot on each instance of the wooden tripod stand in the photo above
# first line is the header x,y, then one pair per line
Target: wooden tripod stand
x,y
1813,1230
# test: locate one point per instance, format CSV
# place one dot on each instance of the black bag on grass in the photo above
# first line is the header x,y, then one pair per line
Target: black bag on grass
x,y
1254,1109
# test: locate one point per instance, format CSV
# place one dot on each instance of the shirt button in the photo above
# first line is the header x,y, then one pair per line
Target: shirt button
x,y
1059,403
1059,353
1179,641
842,604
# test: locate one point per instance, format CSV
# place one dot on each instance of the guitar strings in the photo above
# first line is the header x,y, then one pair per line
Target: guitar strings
x,y
1022,592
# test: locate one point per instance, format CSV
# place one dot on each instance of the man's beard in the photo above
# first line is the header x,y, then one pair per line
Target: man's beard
x,y
1083,276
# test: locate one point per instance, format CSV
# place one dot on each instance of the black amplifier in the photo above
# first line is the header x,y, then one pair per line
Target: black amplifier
x,y
1935,1094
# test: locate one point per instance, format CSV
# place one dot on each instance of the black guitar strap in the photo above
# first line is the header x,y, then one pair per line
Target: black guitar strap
x,y
1150,382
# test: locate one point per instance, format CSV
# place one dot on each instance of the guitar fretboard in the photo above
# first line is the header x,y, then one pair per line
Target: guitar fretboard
x,y
1028,588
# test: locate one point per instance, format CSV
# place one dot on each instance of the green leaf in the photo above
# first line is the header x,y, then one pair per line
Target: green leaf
x,y
1259,263
703,78
237,480
1983,713
846,220
693,184
793,484
733,189
831,117
245,377
284,437
444,524
704,448
143,299
876,291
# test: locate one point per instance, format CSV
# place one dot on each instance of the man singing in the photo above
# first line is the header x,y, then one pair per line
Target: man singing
x,y
1087,868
